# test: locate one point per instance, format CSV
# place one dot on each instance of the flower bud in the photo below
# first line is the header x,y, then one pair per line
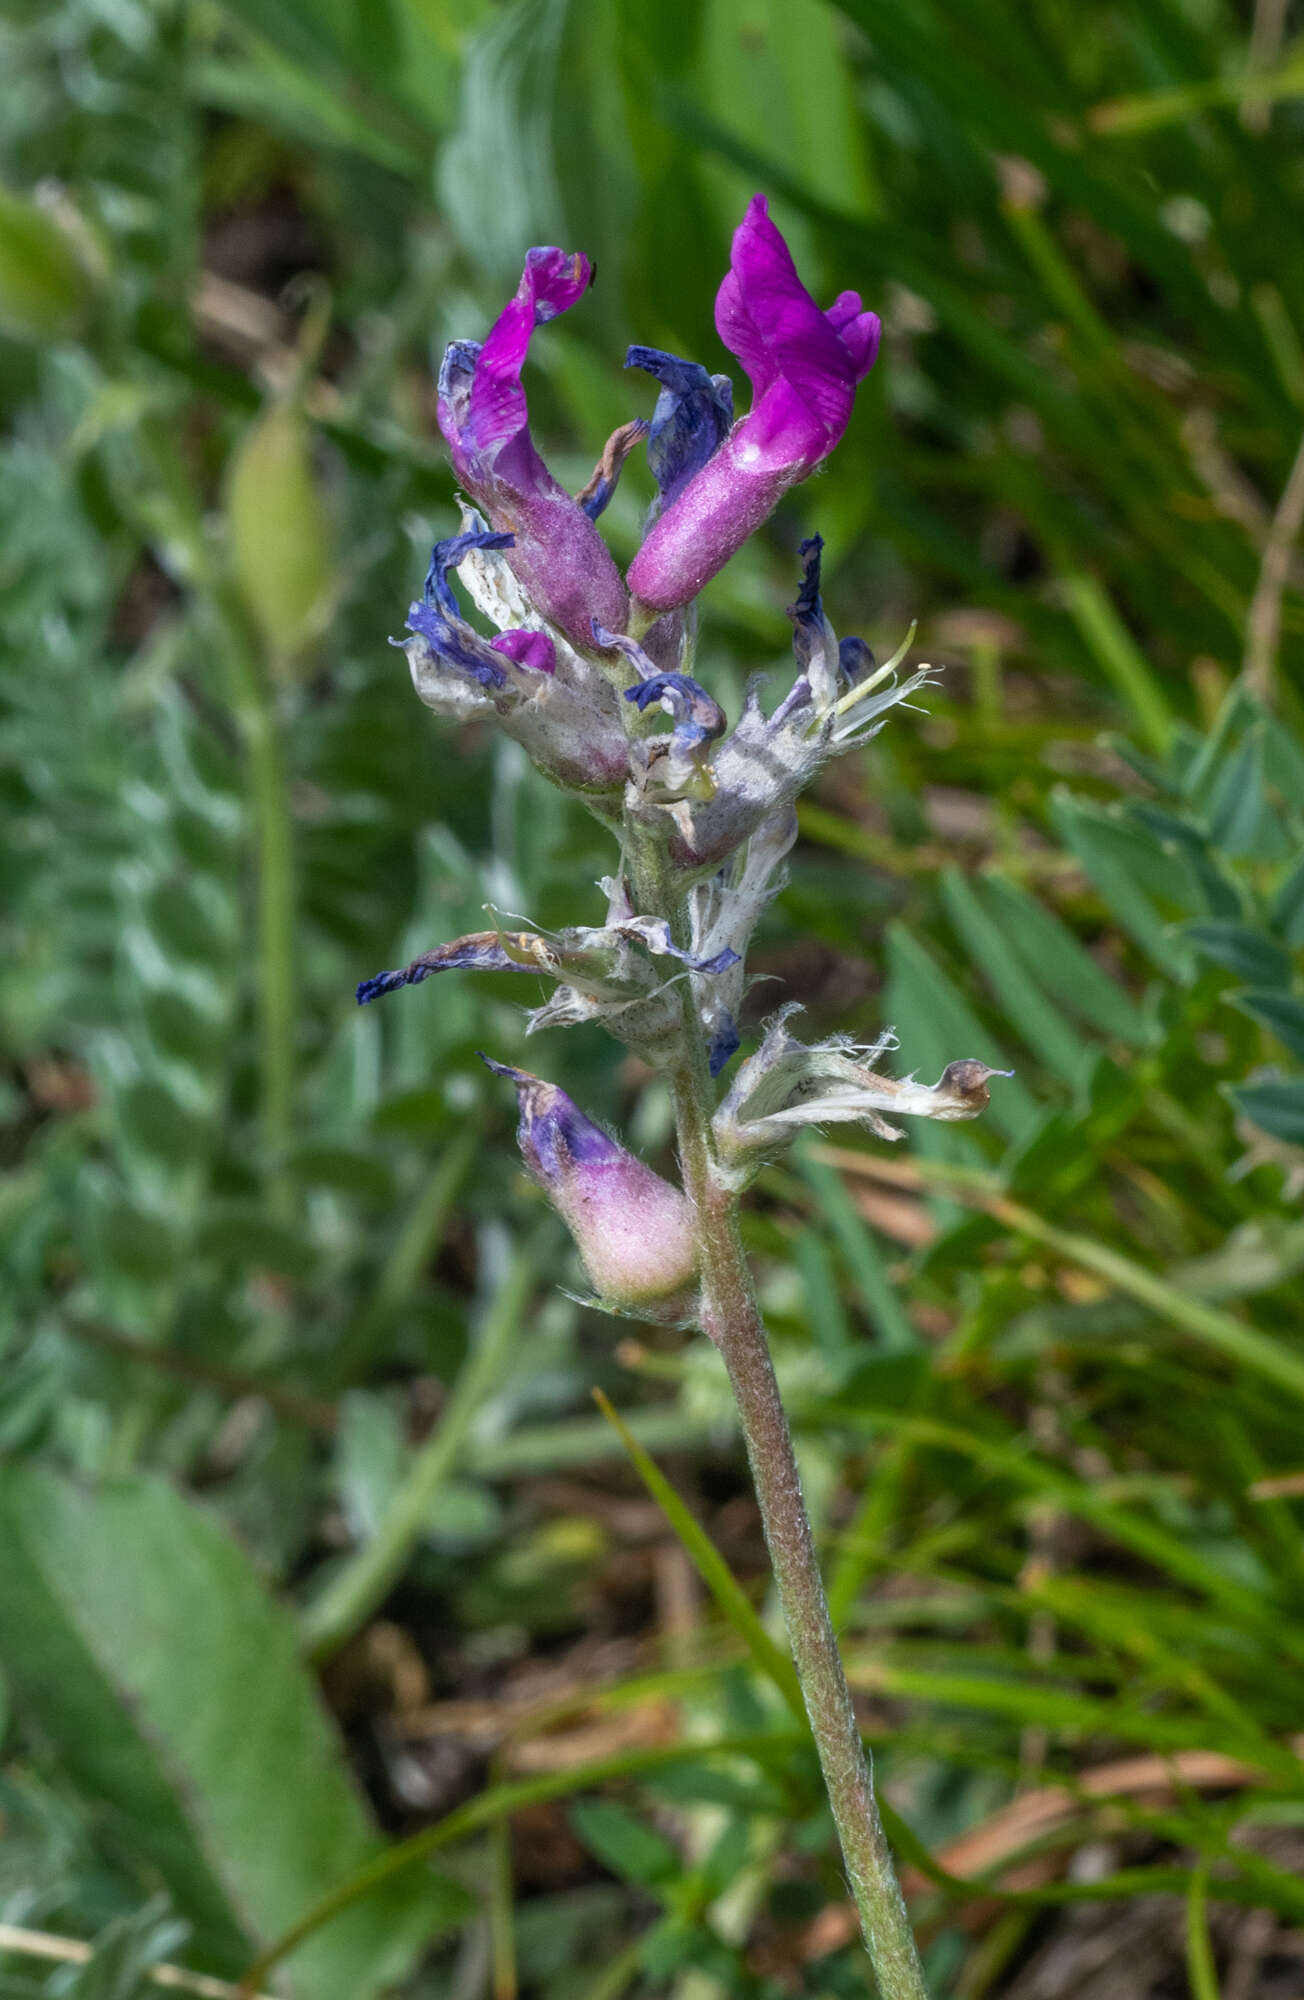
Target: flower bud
x,y
635,1232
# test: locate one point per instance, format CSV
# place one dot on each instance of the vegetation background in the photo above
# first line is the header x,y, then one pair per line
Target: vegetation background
x,y
291,1404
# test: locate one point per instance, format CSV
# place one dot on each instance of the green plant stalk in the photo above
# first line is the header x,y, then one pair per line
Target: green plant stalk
x,y
414,1247
731,1318
254,702
366,1579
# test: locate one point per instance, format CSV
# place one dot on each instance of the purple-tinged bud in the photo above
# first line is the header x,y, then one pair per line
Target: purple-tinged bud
x,y
635,1233
804,366
558,555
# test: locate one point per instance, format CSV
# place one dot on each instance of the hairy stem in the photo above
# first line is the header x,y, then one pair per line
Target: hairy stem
x,y
730,1316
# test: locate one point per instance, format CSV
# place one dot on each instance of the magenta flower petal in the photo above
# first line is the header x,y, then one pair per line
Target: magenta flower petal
x,y
558,556
804,366
528,649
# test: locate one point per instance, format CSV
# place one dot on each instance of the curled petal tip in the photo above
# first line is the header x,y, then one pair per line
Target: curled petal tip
x,y
558,556
505,1069
380,984
967,1081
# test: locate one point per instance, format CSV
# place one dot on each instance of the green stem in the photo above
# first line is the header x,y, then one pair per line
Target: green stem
x,y
729,1315
731,1318
367,1578
413,1248
254,703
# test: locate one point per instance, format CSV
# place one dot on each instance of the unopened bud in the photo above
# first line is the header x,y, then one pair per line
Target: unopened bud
x,y
635,1232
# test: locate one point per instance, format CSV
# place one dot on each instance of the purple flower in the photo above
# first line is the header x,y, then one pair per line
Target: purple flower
x,y
634,1231
804,366
558,555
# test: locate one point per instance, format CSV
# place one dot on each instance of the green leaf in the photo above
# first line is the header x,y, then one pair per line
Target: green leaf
x,y
123,1957
1288,906
43,288
710,1566
1200,1966
1119,657
864,1259
1277,1108
1053,955
1247,953
1283,759
625,1844
135,1631
1041,1025
1191,846
1281,1012
1241,821
825,1317
775,74
1119,862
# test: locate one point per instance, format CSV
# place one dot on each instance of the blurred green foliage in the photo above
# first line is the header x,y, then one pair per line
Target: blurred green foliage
x,y
266,1348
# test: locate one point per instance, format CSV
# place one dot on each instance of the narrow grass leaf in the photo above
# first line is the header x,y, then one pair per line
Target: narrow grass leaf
x,y
710,1565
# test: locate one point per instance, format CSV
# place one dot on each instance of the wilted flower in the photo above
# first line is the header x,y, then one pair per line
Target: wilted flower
x,y
606,973
635,1233
557,705
692,419
804,366
558,554
786,1085
837,702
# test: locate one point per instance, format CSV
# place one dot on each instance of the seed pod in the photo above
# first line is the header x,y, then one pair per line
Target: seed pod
x,y
280,531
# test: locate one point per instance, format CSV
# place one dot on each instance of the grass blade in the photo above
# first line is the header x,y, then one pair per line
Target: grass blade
x,y
710,1566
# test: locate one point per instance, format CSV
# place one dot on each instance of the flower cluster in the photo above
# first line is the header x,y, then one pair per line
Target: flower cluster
x,y
586,664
